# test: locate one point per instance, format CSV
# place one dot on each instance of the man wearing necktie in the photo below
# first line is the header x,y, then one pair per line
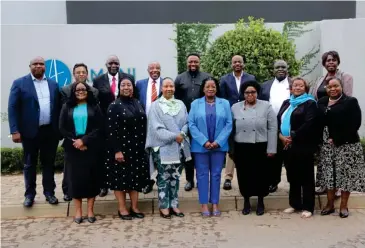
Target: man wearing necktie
x,y
149,90
107,85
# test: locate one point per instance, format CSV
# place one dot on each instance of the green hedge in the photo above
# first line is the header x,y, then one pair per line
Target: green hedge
x,y
12,159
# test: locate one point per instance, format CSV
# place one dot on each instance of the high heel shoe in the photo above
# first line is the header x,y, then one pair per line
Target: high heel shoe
x,y
344,213
172,212
165,216
327,211
78,220
125,217
91,219
136,215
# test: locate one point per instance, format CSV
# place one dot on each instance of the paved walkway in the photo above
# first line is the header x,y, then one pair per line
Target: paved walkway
x,y
231,230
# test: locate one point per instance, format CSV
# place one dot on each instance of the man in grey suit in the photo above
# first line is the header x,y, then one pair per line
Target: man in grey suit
x,y
80,73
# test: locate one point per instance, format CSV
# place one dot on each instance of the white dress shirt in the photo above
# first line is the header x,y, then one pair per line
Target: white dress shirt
x,y
149,92
116,81
238,81
279,92
44,99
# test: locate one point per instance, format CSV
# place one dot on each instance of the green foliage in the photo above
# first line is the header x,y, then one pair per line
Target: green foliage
x,y
191,38
12,160
260,45
4,116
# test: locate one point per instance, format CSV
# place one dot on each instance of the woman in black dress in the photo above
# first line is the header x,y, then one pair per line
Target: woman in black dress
x,y
80,125
127,161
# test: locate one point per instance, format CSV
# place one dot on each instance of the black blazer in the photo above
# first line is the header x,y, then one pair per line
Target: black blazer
x,y
95,124
106,97
343,119
304,125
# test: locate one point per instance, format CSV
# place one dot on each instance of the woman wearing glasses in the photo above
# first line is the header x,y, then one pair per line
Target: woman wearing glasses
x,y
255,138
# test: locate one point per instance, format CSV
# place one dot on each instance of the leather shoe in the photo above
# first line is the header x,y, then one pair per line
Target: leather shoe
x,y
67,198
172,212
260,210
28,202
246,211
165,216
78,220
103,192
91,219
273,188
125,217
327,211
227,185
136,215
52,199
189,186
344,213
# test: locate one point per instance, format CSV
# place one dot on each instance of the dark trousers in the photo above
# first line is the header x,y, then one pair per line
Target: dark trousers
x,y
45,145
64,181
276,165
189,170
302,200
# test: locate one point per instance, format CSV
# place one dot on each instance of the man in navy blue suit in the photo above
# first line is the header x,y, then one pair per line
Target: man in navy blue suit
x,y
230,85
149,89
33,111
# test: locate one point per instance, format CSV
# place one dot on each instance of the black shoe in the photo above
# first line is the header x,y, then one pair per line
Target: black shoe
x,y
149,187
136,215
227,185
78,220
172,212
344,213
91,219
67,198
28,202
273,188
52,199
125,217
165,216
246,208
189,186
103,192
260,210
327,211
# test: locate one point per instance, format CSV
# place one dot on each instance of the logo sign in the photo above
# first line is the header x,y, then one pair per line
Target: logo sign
x,y
58,71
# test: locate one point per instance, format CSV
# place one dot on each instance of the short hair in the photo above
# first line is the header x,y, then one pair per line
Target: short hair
x,y
135,90
80,65
193,54
201,89
327,81
334,54
250,83
306,85
90,98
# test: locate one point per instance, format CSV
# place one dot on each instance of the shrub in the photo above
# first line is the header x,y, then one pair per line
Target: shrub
x,y
260,46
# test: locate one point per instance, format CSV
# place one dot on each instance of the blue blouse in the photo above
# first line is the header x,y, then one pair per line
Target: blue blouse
x,y
211,120
80,119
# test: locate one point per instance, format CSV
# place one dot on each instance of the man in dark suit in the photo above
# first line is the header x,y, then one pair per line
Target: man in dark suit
x,y
230,85
80,73
149,89
276,91
33,109
107,85
187,85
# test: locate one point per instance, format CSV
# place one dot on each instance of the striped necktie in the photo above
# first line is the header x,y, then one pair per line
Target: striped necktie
x,y
154,91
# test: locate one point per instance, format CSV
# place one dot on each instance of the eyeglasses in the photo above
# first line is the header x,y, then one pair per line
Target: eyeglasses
x,y
250,92
80,90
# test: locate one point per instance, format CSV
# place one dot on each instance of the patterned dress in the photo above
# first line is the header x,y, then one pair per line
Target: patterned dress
x,y
126,132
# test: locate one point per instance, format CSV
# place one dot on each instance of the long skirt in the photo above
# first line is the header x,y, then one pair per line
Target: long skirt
x,y
252,168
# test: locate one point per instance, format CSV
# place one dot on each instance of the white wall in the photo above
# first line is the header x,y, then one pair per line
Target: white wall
x,y
360,9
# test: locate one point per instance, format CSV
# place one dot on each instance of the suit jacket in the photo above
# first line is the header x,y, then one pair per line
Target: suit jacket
x,y
106,96
142,90
66,93
94,127
343,119
266,88
198,125
23,107
228,87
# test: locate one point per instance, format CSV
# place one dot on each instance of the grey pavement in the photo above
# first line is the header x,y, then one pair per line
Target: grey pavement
x,y
274,229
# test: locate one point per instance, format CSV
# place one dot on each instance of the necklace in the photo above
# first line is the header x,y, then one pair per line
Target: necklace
x,y
335,100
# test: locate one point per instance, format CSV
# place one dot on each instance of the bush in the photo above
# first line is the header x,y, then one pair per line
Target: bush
x,y
260,46
12,160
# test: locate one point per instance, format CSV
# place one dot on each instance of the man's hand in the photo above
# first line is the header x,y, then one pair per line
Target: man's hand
x,y
270,155
16,137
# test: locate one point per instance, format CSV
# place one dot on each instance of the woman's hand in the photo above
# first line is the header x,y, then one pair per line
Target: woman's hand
x,y
83,148
179,138
77,143
119,157
286,140
214,145
330,141
208,145
270,155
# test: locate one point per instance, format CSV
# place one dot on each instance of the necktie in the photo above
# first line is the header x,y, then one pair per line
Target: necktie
x,y
114,85
154,91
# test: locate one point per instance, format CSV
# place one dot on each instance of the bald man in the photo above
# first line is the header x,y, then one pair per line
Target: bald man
x,y
34,106
149,89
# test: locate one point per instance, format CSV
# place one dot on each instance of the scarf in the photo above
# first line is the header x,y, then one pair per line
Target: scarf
x,y
294,103
171,107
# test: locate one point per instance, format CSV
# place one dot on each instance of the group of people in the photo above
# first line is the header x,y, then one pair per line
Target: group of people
x,y
117,132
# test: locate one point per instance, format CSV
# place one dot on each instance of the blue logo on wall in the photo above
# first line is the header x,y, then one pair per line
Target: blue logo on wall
x,y
58,71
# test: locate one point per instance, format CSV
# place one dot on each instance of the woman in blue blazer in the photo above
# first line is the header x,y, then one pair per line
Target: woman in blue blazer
x,y
210,124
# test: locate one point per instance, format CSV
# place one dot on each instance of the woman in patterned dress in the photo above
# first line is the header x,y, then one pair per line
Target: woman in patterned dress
x,y
127,162
341,157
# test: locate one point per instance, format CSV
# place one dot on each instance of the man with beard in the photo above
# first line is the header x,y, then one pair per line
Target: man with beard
x,y
34,106
149,89
107,85
80,73
276,91
187,86
230,85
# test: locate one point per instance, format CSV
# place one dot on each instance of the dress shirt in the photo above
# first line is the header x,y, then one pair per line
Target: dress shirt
x,y
149,92
238,81
279,92
116,81
44,99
